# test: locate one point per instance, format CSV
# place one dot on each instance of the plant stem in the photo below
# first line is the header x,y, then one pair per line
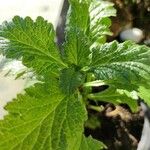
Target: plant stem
x,y
96,108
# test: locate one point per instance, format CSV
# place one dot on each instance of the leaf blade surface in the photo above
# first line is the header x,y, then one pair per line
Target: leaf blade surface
x,y
43,118
33,42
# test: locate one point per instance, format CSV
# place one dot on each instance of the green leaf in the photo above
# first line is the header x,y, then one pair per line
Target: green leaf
x,y
124,64
43,118
116,96
78,15
88,143
86,29
33,42
70,80
144,93
76,46
99,22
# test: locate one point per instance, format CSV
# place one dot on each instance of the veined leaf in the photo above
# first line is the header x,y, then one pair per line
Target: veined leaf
x,y
125,63
116,96
99,22
76,46
88,143
86,29
33,42
78,15
44,119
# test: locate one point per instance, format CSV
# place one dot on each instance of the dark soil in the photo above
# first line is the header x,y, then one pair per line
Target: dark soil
x,y
118,132
119,128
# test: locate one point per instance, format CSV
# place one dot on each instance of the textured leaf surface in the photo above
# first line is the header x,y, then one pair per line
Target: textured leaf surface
x,y
88,143
33,42
77,47
125,63
44,119
78,15
99,22
77,44
87,24
116,96
70,80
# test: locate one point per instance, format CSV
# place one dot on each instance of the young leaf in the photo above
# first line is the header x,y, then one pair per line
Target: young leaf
x,y
115,96
125,63
33,42
77,48
88,143
43,118
99,22
70,80
78,15
83,30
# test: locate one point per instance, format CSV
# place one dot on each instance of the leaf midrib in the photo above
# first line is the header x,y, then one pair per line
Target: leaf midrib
x,y
36,48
